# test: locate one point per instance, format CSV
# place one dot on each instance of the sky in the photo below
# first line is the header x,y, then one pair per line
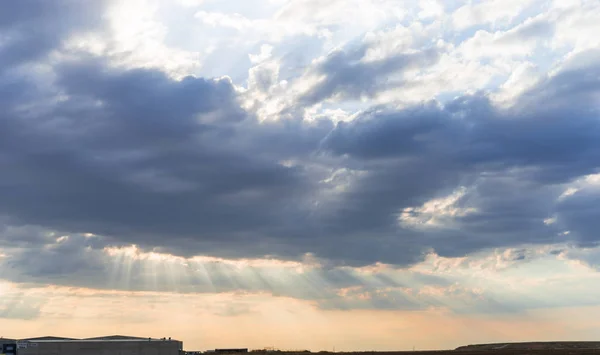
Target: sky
x,y
301,174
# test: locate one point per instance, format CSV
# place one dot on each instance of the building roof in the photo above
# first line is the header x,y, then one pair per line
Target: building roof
x,y
48,337
111,338
116,337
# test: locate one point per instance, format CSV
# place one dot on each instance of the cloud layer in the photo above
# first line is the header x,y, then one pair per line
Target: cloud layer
x,y
432,131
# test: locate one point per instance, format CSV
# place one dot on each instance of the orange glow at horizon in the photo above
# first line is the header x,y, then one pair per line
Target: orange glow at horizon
x,y
258,320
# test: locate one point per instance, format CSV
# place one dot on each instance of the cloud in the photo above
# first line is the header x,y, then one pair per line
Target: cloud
x,y
32,28
134,35
492,12
576,210
576,23
308,17
16,304
512,159
178,166
346,75
437,212
519,41
265,53
361,70
505,281
263,76
134,122
92,262
282,158
137,157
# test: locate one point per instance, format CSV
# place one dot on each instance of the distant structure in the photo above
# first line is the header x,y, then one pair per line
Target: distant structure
x,y
231,351
47,338
8,346
112,344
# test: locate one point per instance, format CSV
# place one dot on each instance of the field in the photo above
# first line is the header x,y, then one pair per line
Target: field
x,y
487,352
533,348
473,352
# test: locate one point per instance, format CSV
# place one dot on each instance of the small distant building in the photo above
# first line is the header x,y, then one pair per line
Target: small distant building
x,y
231,351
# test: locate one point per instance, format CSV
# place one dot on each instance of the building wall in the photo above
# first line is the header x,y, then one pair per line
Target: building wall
x,y
102,348
6,341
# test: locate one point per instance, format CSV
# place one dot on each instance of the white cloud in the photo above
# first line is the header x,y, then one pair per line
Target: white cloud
x,y
136,38
341,179
438,212
568,192
232,20
431,8
494,12
583,185
385,43
360,14
190,3
266,52
519,41
263,76
593,179
341,19
577,25
259,29
524,77
452,74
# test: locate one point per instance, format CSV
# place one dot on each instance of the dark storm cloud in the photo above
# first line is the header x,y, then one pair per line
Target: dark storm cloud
x,y
138,157
513,161
141,158
579,213
136,153
32,28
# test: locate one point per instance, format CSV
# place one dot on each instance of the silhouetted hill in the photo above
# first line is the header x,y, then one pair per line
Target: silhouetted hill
x,y
551,345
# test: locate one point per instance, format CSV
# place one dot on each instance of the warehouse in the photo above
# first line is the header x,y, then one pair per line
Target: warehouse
x,y
109,345
8,346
